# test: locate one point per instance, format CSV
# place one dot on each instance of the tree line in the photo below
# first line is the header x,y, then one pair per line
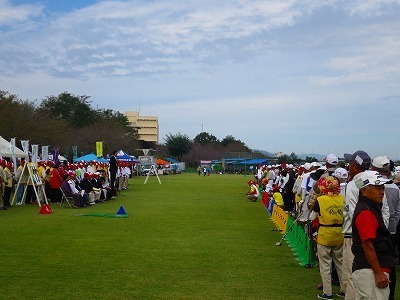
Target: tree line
x,y
69,120
64,121
206,146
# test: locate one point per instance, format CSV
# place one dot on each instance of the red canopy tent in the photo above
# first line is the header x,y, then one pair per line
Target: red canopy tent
x,y
162,162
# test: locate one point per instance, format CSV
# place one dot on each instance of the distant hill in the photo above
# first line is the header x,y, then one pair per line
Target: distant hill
x,y
319,157
266,153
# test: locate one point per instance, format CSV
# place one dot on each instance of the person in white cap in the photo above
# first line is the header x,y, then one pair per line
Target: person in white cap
x,y
318,173
296,187
271,175
331,162
359,162
373,259
342,175
381,164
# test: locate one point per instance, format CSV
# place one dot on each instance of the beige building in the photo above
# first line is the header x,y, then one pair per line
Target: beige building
x,y
147,126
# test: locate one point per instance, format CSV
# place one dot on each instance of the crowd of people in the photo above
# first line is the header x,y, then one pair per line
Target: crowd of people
x,y
351,210
87,183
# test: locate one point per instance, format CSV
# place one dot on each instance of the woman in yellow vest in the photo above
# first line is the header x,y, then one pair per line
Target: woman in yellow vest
x,y
329,209
277,195
8,176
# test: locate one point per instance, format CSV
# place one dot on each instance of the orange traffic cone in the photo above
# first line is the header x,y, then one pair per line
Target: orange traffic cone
x,y
45,210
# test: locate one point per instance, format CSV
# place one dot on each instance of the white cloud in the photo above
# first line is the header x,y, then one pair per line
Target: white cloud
x,y
14,15
137,31
368,7
219,62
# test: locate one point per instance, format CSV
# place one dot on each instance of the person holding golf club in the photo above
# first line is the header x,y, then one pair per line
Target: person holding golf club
x,y
329,209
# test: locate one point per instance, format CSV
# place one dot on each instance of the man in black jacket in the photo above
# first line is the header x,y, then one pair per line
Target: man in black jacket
x,y
113,172
372,247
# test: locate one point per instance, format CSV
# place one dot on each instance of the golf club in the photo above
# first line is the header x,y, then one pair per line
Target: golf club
x,y
287,231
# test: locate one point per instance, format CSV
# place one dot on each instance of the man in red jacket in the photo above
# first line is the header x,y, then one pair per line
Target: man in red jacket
x,y
55,185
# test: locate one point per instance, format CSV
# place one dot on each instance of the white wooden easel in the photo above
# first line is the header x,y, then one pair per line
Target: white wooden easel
x,y
149,160
152,169
29,174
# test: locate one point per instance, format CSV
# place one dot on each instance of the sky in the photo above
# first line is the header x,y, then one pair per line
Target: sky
x,y
299,76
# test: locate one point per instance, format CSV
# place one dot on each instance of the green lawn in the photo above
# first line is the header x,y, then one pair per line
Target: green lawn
x,y
192,237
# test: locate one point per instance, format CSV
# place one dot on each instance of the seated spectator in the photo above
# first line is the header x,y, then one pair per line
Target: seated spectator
x,y
75,185
87,185
106,188
253,193
69,192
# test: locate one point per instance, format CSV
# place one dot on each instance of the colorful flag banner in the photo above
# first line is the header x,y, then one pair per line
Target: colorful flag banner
x,y
99,149
55,156
75,151
35,153
25,148
45,153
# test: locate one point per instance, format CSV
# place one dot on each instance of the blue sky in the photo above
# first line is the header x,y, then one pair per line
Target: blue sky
x,y
299,75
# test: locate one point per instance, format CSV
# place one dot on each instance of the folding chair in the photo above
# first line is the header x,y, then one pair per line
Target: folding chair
x,y
66,199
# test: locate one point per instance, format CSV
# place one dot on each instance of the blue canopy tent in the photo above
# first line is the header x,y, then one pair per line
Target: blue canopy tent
x,y
256,161
171,160
230,164
123,156
89,157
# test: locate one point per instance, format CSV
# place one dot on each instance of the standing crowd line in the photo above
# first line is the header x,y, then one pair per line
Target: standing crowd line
x,y
351,212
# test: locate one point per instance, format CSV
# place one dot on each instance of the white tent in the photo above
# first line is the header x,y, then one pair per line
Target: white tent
x,y
5,149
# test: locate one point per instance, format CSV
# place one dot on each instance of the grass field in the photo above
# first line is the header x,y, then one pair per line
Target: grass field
x,y
192,237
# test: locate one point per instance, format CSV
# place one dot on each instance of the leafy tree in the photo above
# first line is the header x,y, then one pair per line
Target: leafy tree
x,y
178,144
231,144
114,137
203,152
229,139
283,159
23,120
238,147
117,118
55,124
74,109
310,159
205,138
293,158
147,145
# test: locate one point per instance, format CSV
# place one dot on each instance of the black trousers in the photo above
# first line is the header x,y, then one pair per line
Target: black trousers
x,y
392,276
30,192
112,182
7,195
56,195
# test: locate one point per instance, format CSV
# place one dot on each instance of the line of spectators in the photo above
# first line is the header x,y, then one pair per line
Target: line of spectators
x,y
352,212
